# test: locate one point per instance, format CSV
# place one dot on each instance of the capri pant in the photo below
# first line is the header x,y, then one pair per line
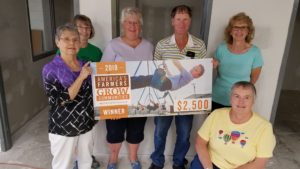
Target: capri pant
x,y
134,128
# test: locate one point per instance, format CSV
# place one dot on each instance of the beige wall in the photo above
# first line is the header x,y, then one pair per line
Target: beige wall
x,y
100,13
22,77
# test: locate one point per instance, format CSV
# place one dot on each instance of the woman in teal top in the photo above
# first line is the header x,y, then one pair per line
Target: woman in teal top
x,y
235,60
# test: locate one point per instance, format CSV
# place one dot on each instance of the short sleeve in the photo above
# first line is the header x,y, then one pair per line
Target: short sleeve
x,y
218,53
266,143
258,60
203,52
98,55
205,129
157,52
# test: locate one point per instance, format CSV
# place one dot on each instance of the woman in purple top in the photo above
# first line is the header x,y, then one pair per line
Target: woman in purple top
x,y
128,47
68,87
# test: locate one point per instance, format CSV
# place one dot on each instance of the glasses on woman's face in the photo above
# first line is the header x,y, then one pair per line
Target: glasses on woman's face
x,y
69,40
88,28
241,28
132,23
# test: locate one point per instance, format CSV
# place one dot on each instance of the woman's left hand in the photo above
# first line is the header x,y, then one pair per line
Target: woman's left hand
x,y
215,63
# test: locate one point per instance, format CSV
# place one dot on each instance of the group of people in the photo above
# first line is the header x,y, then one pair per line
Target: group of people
x,y
233,137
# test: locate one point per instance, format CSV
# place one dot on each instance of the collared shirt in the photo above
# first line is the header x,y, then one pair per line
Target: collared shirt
x,y
67,117
168,49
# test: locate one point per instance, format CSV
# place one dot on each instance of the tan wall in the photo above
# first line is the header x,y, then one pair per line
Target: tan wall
x,y
22,77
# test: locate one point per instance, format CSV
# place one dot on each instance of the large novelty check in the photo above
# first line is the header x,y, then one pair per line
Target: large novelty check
x,y
151,88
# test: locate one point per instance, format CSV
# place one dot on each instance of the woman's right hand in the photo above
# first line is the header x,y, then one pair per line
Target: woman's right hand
x,y
86,70
73,90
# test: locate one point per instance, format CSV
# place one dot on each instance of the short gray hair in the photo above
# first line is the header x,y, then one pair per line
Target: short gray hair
x,y
66,27
130,11
244,84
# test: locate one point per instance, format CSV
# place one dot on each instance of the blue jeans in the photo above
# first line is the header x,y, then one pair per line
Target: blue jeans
x,y
196,164
183,128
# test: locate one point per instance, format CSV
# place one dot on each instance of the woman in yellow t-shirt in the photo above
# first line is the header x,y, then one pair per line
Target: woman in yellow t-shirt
x,y
236,137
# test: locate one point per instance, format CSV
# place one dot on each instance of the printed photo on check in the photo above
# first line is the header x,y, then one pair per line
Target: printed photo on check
x,y
151,88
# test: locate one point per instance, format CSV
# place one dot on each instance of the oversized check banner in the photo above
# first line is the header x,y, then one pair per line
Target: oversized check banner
x,y
151,88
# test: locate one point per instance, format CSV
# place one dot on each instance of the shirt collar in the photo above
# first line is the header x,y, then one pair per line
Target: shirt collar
x,y
189,43
58,60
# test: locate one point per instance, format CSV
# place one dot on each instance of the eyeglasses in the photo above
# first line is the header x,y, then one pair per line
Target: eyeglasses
x,y
88,28
68,40
242,28
132,23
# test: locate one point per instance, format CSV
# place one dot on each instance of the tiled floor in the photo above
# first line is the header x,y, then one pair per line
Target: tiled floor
x,y
31,145
287,130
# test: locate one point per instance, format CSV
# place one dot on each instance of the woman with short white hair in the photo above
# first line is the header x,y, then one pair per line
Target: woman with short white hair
x,y
130,46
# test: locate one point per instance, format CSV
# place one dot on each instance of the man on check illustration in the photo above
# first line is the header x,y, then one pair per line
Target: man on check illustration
x,y
163,80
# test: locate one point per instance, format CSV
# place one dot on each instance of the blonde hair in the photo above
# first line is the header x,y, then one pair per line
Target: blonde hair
x,y
240,17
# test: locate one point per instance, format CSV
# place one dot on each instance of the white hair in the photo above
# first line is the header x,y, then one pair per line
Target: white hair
x,y
130,11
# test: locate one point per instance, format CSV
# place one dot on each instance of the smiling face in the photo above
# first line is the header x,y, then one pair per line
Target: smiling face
x,y
181,23
68,43
239,31
84,30
197,71
242,99
131,27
